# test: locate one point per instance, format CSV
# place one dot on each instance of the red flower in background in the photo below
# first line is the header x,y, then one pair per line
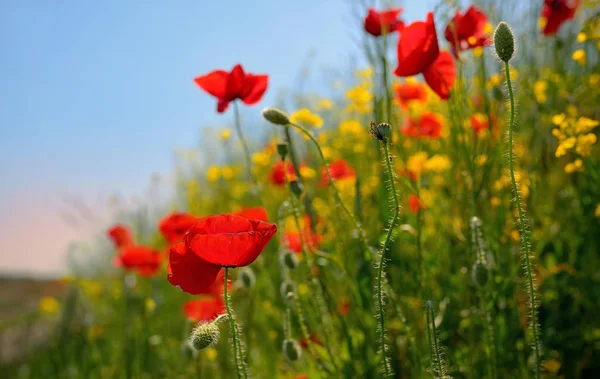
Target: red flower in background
x,y
417,47
121,236
229,240
413,201
339,169
278,173
419,52
467,31
378,21
254,213
344,307
408,92
556,12
205,309
229,86
293,242
191,273
174,226
479,122
428,125
141,258
312,338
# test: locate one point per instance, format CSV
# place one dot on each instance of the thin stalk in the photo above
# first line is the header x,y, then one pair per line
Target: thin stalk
x,y
523,230
238,354
361,232
238,129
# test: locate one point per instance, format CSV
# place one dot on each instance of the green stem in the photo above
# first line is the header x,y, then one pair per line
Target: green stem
x,y
238,129
361,232
238,354
434,340
523,230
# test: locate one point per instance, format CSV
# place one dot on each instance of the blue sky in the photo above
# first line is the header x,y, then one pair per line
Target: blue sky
x,y
96,95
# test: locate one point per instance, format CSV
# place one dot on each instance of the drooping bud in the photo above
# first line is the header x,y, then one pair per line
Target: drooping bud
x,y
296,188
479,274
381,132
291,350
282,150
287,287
289,260
276,116
247,277
204,335
504,41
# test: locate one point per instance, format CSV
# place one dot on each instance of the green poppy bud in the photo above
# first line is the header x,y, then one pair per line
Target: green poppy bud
x,y
204,335
291,350
276,116
504,41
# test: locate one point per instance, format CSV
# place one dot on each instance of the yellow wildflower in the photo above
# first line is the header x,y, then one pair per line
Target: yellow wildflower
x,y
579,56
150,305
416,162
581,37
213,173
539,90
577,165
325,104
225,134
227,173
49,305
351,127
306,118
360,99
211,353
437,163
597,211
478,51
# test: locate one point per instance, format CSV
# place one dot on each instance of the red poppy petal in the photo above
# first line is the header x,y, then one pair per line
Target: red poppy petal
x,y
235,83
417,47
441,75
215,83
255,87
256,213
206,309
189,272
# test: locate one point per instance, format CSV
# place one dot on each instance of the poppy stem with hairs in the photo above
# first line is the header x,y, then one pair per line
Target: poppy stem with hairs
x,y
361,232
238,353
238,129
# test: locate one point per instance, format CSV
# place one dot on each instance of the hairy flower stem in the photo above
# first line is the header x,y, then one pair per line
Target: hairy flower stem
x,y
436,354
381,263
523,229
359,228
238,353
238,129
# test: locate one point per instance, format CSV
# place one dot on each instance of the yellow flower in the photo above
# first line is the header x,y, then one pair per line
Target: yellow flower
x,y
225,134
306,118
262,158
325,104
558,119
351,127
597,211
584,144
211,353
416,162
307,172
478,51
227,173
366,73
49,305
584,125
493,81
579,56
495,201
542,21
437,163
213,173
480,160
150,305
581,37
360,99
539,90
302,289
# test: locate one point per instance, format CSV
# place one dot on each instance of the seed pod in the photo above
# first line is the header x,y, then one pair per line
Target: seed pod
x,y
291,350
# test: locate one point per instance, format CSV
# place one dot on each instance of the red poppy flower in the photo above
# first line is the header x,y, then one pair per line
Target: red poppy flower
x,y
229,86
428,125
409,174
293,242
313,338
378,22
141,258
278,173
174,226
344,307
191,273
479,122
339,169
205,309
556,12
417,47
121,236
441,75
467,31
255,213
229,240
408,92
302,376
413,201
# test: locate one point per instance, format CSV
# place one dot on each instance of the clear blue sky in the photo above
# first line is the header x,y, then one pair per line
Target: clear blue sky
x,y
96,95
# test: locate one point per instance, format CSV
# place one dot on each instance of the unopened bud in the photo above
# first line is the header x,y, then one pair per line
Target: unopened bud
x,y
204,335
381,132
276,116
282,150
289,260
479,274
296,188
291,350
287,287
247,277
504,41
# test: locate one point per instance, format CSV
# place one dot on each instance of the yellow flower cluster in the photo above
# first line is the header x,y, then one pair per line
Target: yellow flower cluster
x,y
214,173
305,117
539,90
360,96
49,305
574,134
420,162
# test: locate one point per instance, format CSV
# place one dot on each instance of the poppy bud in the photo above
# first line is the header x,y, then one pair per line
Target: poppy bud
x,y
282,150
504,41
291,350
247,277
289,260
287,287
276,116
381,132
479,274
204,335
296,188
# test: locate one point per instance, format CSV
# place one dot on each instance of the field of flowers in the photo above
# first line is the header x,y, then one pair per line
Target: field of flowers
x,y
438,218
